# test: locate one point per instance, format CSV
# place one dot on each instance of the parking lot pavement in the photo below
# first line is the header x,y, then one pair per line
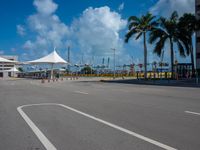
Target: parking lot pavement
x,y
69,130
109,112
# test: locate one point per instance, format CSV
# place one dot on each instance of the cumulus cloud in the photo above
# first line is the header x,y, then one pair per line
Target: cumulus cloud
x,y
93,33
45,7
28,45
48,30
121,7
21,30
166,7
97,31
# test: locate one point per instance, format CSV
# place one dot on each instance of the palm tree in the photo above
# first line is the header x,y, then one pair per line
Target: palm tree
x,y
187,25
167,31
140,27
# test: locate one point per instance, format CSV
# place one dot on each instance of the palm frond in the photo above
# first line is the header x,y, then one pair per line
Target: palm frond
x,y
132,25
154,23
181,49
159,46
129,35
133,18
138,36
174,16
149,17
162,22
156,34
185,40
188,22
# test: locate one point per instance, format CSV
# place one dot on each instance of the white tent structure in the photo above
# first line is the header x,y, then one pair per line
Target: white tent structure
x,y
52,58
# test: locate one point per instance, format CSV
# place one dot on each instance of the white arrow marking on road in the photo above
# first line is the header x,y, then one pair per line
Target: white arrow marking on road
x,y
50,146
194,113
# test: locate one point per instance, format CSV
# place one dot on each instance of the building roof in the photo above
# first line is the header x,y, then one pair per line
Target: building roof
x,y
3,60
52,58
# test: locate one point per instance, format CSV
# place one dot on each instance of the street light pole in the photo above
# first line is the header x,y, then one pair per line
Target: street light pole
x,y
114,60
68,59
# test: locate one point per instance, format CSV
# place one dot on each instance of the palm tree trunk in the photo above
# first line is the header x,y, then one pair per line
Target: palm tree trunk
x,y
145,56
192,56
172,58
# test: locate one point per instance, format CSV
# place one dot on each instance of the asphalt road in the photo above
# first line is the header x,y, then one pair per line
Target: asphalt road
x,y
82,115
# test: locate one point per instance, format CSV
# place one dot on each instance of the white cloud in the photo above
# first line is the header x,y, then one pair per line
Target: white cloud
x,y
28,45
121,7
46,27
45,7
94,33
166,7
97,31
21,30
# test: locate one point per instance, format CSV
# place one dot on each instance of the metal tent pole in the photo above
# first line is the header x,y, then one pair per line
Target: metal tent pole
x,y
52,65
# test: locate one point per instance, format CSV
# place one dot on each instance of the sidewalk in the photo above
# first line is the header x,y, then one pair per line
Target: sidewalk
x,y
178,83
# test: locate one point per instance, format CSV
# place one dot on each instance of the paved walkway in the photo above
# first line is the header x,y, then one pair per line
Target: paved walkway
x,y
179,83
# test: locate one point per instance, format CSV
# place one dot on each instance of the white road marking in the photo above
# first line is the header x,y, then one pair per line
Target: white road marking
x,y
120,129
194,113
47,144
81,92
50,146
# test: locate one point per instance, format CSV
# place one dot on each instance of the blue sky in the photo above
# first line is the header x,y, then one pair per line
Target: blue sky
x,y
31,28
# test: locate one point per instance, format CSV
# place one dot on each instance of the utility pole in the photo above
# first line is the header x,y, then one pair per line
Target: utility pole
x,y
114,60
103,61
82,60
108,65
68,59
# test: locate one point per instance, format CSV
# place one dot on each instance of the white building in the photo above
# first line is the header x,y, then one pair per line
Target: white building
x,y
7,69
